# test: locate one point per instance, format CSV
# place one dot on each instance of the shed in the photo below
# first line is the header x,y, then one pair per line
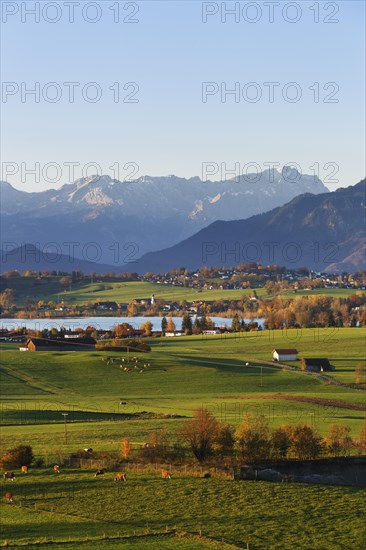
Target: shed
x,y
316,364
284,354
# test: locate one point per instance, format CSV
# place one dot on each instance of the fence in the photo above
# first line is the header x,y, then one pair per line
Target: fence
x,y
148,468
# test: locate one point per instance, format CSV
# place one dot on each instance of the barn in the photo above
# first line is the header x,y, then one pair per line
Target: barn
x,y
58,344
316,364
284,354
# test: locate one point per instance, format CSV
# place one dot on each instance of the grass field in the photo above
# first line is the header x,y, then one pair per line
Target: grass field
x,y
184,374
123,292
76,505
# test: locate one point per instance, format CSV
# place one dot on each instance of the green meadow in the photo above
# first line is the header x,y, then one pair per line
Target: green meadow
x,y
76,506
83,292
230,375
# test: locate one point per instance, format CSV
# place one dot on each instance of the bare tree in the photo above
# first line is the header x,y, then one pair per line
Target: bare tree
x,y
201,433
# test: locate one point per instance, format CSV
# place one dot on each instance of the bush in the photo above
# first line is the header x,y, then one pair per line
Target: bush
x,y
252,438
17,457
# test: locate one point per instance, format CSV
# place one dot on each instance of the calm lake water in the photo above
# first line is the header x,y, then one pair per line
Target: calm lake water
x,y
103,323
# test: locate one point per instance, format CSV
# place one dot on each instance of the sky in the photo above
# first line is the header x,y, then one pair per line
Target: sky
x,y
150,92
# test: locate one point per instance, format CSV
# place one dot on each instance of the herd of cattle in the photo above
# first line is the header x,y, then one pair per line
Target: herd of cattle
x,y
10,476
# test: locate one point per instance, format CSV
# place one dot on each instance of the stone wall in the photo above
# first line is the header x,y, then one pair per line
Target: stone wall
x,y
331,471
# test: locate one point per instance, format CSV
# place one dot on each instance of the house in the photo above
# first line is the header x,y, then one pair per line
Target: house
x,y
72,334
106,306
316,364
284,354
58,344
175,333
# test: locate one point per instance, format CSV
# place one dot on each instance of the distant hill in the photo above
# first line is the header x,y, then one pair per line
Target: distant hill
x,y
322,232
151,212
29,257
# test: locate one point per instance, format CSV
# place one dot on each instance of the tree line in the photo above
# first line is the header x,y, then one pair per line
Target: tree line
x,y
208,440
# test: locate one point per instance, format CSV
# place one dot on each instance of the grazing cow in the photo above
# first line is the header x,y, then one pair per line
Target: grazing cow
x,y
56,468
120,477
25,469
88,450
100,472
9,476
8,497
165,474
206,476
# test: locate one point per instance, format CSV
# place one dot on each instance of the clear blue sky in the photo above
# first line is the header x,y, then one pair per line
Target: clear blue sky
x,y
169,53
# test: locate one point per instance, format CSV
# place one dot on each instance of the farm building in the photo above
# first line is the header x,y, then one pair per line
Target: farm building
x,y
284,354
44,344
106,306
317,364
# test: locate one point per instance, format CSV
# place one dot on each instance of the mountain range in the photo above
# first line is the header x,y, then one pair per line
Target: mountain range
x,y
150,212
324,232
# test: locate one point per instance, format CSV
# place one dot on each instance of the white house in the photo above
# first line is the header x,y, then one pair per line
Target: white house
x,y
284,354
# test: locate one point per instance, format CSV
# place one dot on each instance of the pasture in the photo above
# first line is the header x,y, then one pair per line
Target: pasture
x,y
75,506
85,292
105,403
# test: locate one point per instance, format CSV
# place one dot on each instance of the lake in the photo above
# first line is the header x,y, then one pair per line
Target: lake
x,y
101,323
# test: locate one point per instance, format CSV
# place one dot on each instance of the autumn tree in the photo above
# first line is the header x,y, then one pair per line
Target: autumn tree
x,y
224,440
132,308
360,373
125,448
362,438
7,298
65,281
156,446
201,433
338,440
305,443
281,441
147,328
171,325
19,456
197,326
235,325
121,329
252,437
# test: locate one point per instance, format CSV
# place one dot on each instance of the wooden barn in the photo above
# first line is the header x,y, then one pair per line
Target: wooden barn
x,y
58,344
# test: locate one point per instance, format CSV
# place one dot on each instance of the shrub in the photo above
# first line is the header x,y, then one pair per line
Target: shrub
x,y
252,438
19,456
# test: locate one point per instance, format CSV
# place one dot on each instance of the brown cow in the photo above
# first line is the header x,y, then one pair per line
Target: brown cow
x,y
25,469
8,497
120,477
165,474
56,468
